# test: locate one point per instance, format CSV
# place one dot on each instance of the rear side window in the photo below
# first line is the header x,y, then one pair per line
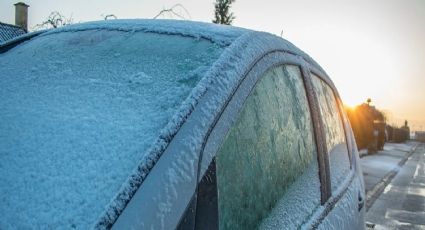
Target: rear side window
x,y
335,136
267,164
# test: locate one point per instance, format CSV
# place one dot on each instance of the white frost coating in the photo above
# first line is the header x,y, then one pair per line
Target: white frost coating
x,y
226,73
344,214
219,34
339,162
284,156
222,69
79,112
182,171
345,195
299,203
339,165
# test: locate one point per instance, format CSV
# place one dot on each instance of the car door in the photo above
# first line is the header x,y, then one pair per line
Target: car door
x,y
260,165
346,198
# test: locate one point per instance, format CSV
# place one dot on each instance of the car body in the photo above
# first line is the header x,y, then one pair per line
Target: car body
x,y
162,124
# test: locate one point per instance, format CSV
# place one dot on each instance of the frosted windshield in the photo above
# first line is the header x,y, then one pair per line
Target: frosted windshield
x,y
78,111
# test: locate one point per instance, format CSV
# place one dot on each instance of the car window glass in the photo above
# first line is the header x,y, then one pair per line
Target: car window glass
x,y
334,130
79,111
267,164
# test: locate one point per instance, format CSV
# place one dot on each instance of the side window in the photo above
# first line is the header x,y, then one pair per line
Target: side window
x,y
335,137
267,165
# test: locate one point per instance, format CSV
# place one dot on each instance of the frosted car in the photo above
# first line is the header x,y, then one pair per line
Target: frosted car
x,y
157,124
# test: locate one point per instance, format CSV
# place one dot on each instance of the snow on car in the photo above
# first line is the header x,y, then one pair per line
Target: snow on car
x,y
165,124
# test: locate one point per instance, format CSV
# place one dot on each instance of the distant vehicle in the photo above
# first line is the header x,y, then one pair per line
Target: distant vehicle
x,y
162,124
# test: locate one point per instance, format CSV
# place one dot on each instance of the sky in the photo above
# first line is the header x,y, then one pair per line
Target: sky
x,y
370,48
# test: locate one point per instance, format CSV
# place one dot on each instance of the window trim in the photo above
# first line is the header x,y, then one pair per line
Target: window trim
x,y
320,137
287,58
324,77
332,199
342,120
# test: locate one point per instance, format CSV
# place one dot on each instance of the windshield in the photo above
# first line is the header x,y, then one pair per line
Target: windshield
x,y
78,111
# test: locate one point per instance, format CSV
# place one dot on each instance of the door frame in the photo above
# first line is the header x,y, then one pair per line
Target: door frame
x,y
229,113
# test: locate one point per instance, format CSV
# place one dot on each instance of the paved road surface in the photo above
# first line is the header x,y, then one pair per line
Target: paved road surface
x,y
376,167
398,203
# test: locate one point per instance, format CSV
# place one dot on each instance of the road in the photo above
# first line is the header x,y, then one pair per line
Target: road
x,y
395,187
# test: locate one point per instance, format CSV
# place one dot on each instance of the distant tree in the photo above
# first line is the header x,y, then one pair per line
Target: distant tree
x,y
406,129
55,20
361,119
365,120
222,12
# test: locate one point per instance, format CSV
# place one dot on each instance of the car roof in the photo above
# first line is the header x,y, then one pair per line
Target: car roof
x,y
241,44
216,33
233,39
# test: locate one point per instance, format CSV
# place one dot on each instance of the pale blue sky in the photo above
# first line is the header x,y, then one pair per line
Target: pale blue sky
x,y
370,48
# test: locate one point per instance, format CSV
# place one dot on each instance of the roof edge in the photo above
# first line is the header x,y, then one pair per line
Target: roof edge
x,y
11,25
219,34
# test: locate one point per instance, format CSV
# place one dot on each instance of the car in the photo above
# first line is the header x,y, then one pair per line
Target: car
x,y
169,124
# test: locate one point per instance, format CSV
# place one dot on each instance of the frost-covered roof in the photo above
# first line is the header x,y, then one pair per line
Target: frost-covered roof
x,y
221,34
8,32
216,33
100,81
79,113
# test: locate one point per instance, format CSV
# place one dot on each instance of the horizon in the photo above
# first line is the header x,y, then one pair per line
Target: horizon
x,y
369,49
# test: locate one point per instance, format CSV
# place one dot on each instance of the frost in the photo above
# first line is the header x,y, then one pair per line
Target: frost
x,y
335,136
267,149
299,204
219,34
74,100
77,119
345,214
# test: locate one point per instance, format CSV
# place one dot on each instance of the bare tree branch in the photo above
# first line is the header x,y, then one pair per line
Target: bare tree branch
x,y
108,16
55,20
172,11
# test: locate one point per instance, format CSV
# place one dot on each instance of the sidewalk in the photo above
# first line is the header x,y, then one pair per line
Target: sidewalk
x,y
396,187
